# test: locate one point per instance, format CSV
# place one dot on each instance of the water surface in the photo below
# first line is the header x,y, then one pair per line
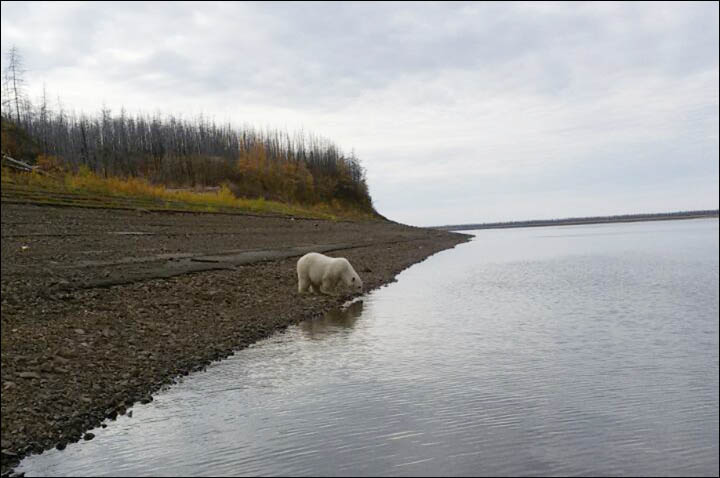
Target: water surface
x,y
569,350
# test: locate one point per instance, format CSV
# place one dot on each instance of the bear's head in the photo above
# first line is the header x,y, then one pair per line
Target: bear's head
x,y
353,281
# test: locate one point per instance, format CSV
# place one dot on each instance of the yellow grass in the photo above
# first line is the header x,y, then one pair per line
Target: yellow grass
x,y
88,183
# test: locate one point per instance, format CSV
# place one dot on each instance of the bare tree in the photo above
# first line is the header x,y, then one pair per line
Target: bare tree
x,y
43,119
14,81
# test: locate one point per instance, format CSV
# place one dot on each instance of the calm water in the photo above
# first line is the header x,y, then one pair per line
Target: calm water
x,y
572,350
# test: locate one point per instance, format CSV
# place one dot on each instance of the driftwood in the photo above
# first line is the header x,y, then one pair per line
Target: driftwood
x,y
20,165
16,164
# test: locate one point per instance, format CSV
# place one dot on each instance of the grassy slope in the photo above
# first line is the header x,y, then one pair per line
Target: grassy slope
x,y
86,189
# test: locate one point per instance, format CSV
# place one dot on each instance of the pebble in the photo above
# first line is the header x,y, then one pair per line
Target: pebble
x,y
28,375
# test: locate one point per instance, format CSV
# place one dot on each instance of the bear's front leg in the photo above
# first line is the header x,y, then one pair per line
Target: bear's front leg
x,y
328,286
303,285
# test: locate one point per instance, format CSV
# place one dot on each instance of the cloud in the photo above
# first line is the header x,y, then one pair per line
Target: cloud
x,y
441,101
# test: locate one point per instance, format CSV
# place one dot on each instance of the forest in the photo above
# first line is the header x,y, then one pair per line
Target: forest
x,y
276,165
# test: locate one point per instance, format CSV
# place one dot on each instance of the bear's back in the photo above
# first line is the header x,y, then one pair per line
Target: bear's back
x,y
314,265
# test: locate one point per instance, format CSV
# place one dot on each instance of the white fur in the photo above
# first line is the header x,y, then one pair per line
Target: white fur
x,y
317,272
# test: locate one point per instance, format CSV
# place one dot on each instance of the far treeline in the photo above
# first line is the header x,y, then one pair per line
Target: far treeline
x,y
585,220
274,165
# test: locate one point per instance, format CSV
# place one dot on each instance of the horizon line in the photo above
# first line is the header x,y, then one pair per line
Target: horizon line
x,y
586,219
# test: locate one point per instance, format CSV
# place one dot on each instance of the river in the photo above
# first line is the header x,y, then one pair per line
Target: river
x,y
569,350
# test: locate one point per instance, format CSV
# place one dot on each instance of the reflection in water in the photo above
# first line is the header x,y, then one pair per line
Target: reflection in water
x,y
514,354
333,321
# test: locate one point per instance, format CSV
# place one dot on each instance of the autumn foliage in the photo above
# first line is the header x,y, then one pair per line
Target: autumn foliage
x,y
272,165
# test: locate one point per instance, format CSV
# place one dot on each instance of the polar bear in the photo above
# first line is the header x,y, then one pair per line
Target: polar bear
x,y
318,272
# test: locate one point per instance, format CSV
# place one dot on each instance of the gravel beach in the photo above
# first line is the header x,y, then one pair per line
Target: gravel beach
x,y
102,307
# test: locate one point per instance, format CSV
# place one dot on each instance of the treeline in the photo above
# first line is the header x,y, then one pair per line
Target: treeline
x,y
585,220
270,164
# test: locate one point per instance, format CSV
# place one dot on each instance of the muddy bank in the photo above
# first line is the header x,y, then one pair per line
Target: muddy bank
x,y
100,308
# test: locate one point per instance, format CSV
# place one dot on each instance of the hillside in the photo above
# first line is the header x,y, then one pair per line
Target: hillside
x,y
156,163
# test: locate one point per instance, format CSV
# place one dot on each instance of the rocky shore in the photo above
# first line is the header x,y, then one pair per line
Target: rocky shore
x,y
101,307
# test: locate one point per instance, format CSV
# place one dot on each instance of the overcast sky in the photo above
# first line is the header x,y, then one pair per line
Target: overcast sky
x,y
468,112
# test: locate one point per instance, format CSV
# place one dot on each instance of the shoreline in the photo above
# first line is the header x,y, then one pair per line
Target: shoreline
x,y
570,222
76,352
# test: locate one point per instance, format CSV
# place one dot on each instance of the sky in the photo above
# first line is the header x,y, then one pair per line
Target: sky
x,y
459,112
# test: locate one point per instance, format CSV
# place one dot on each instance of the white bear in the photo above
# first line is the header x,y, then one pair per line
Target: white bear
x,y
317,272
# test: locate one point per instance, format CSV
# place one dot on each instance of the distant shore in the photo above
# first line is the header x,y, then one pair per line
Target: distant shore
x,y
574,221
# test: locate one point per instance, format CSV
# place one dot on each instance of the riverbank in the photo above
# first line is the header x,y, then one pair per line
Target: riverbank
x,y
102,307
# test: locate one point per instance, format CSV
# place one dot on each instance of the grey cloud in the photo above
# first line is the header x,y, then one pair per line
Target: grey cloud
x,y
508,97
324,51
